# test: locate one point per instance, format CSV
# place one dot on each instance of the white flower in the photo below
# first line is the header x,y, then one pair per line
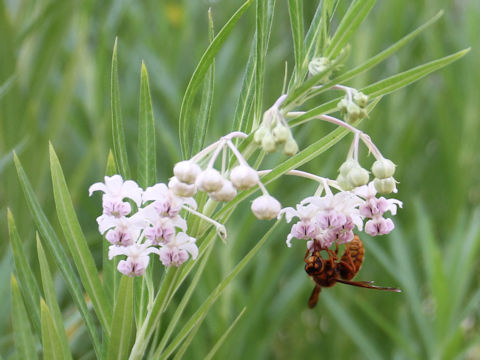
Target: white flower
x,y
123,230
116,189
226,193
266,207
186,171
210,180
175,252
137,257
244,177
166,202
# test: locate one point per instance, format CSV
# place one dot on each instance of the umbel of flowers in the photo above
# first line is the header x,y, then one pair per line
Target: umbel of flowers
x,y
138,223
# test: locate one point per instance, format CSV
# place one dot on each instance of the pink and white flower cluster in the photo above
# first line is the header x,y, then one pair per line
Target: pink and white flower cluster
x,y
331,219
153,227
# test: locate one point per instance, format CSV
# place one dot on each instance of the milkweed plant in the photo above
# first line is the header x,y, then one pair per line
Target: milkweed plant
x,y
175,222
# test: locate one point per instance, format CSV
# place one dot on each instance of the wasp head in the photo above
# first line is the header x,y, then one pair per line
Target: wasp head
x,y
314,263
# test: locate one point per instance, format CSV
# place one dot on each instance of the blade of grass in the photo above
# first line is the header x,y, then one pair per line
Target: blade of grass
x,y
51,299
187,122
119,146
56,248
52,349
205,307
205,112
28,283
7,85
357,12
122,322
295,10
222,339
146,134
77,244
22,331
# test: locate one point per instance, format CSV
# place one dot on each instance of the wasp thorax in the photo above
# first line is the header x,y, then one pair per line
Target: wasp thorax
x,y
210,180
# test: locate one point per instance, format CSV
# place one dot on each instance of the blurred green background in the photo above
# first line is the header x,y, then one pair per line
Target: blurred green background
x,y
55,59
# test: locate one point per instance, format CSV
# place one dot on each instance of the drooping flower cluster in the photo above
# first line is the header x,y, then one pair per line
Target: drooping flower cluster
x,y
153,227
330,219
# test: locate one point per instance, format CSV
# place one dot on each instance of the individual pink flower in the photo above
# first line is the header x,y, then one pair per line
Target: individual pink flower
x,y
166,202
115,190
137,257
379,226
176,252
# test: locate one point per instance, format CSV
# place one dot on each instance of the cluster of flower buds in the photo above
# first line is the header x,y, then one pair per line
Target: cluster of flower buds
x,y
152,226
319,65
221,185
352,175
353,105
274,133
330,219
383,170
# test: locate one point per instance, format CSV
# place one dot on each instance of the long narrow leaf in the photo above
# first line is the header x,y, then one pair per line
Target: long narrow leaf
x,y
51,299
355,15
51,342
146,134
260,50
77,244
205,307
295,9
28,283
119,147
22,331
56,248
122,323
205,112
186,121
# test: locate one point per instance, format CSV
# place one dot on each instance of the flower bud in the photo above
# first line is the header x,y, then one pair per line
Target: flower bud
x,y
268,143
383,168
226,193
318,65
210,180
280,133
385,186
347,166
180,188
261,132
186,171
266,207
342,105
291,147
343,183
353,112
361,99
357,176
243,177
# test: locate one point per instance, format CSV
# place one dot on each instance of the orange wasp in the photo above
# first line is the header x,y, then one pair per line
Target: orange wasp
x,y
327,272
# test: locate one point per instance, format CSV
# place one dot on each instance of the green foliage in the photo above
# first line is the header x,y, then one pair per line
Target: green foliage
x,y
246,298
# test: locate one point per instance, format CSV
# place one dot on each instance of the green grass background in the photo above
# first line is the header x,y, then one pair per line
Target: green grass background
x,y
55,61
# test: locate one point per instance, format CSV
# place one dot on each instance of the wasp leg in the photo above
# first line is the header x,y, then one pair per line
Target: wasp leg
x,y
314,296
307,254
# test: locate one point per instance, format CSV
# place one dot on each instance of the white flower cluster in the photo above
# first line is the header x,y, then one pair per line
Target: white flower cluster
x,y
331,219
222,185
155,226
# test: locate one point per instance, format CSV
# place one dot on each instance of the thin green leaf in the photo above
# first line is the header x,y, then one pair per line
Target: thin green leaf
x,y
314,33
205,307
357,12
28,283
56,248
22,331
77,244
205,112
377,59
111,277
187,122
183,303
260,52
384,86
7,85
51,342
295,9
222,339
146,134
119,345
119,147
51,299
351,327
